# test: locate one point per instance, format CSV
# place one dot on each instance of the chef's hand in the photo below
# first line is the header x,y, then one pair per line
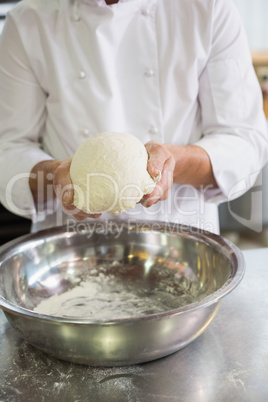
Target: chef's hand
x,y
161,164
64,191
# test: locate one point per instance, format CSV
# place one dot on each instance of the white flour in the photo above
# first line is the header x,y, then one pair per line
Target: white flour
x,y
108,297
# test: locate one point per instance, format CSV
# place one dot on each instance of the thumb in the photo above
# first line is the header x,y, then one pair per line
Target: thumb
x,y
157,156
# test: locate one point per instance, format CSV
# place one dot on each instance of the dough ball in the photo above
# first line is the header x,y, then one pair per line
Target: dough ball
x,y
109,173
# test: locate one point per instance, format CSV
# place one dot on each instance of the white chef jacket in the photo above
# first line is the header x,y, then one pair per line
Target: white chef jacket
x,y
172,71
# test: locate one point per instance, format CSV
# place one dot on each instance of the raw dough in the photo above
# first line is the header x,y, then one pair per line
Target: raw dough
x,y
109,173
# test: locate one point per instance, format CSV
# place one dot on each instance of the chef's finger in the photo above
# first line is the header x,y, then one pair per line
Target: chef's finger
x,y
83,216
78,213
151,199
62,182
167,176
62,173
65,194
157,156
162,188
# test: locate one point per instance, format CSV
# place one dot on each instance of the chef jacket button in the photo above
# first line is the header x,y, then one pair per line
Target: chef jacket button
x,y
149,72
145,12
76,17
153,130
82,75
85,132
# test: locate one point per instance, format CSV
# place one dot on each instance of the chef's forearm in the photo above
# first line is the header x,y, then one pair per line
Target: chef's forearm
x,y
192,165
41,181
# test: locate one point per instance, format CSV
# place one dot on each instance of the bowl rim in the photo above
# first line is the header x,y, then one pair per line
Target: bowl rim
x,y
221,244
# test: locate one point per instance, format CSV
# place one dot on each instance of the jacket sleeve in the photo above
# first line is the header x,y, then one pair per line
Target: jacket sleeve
x,y
22,118
234,126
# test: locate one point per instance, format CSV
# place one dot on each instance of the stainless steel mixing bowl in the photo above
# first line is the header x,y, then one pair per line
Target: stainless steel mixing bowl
x,y
140,254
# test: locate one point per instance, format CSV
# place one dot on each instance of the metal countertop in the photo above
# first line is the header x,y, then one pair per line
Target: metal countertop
x,y
228,362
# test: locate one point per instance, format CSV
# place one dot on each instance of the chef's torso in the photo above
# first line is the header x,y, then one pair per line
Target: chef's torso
x,y
131,67
136,67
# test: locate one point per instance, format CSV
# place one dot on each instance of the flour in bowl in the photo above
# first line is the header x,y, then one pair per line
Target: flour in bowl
x,y
105,297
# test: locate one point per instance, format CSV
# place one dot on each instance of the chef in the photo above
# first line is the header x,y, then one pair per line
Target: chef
x,y
175,73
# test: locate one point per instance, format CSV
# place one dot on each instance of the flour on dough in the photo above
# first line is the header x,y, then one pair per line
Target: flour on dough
x,y
109,173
